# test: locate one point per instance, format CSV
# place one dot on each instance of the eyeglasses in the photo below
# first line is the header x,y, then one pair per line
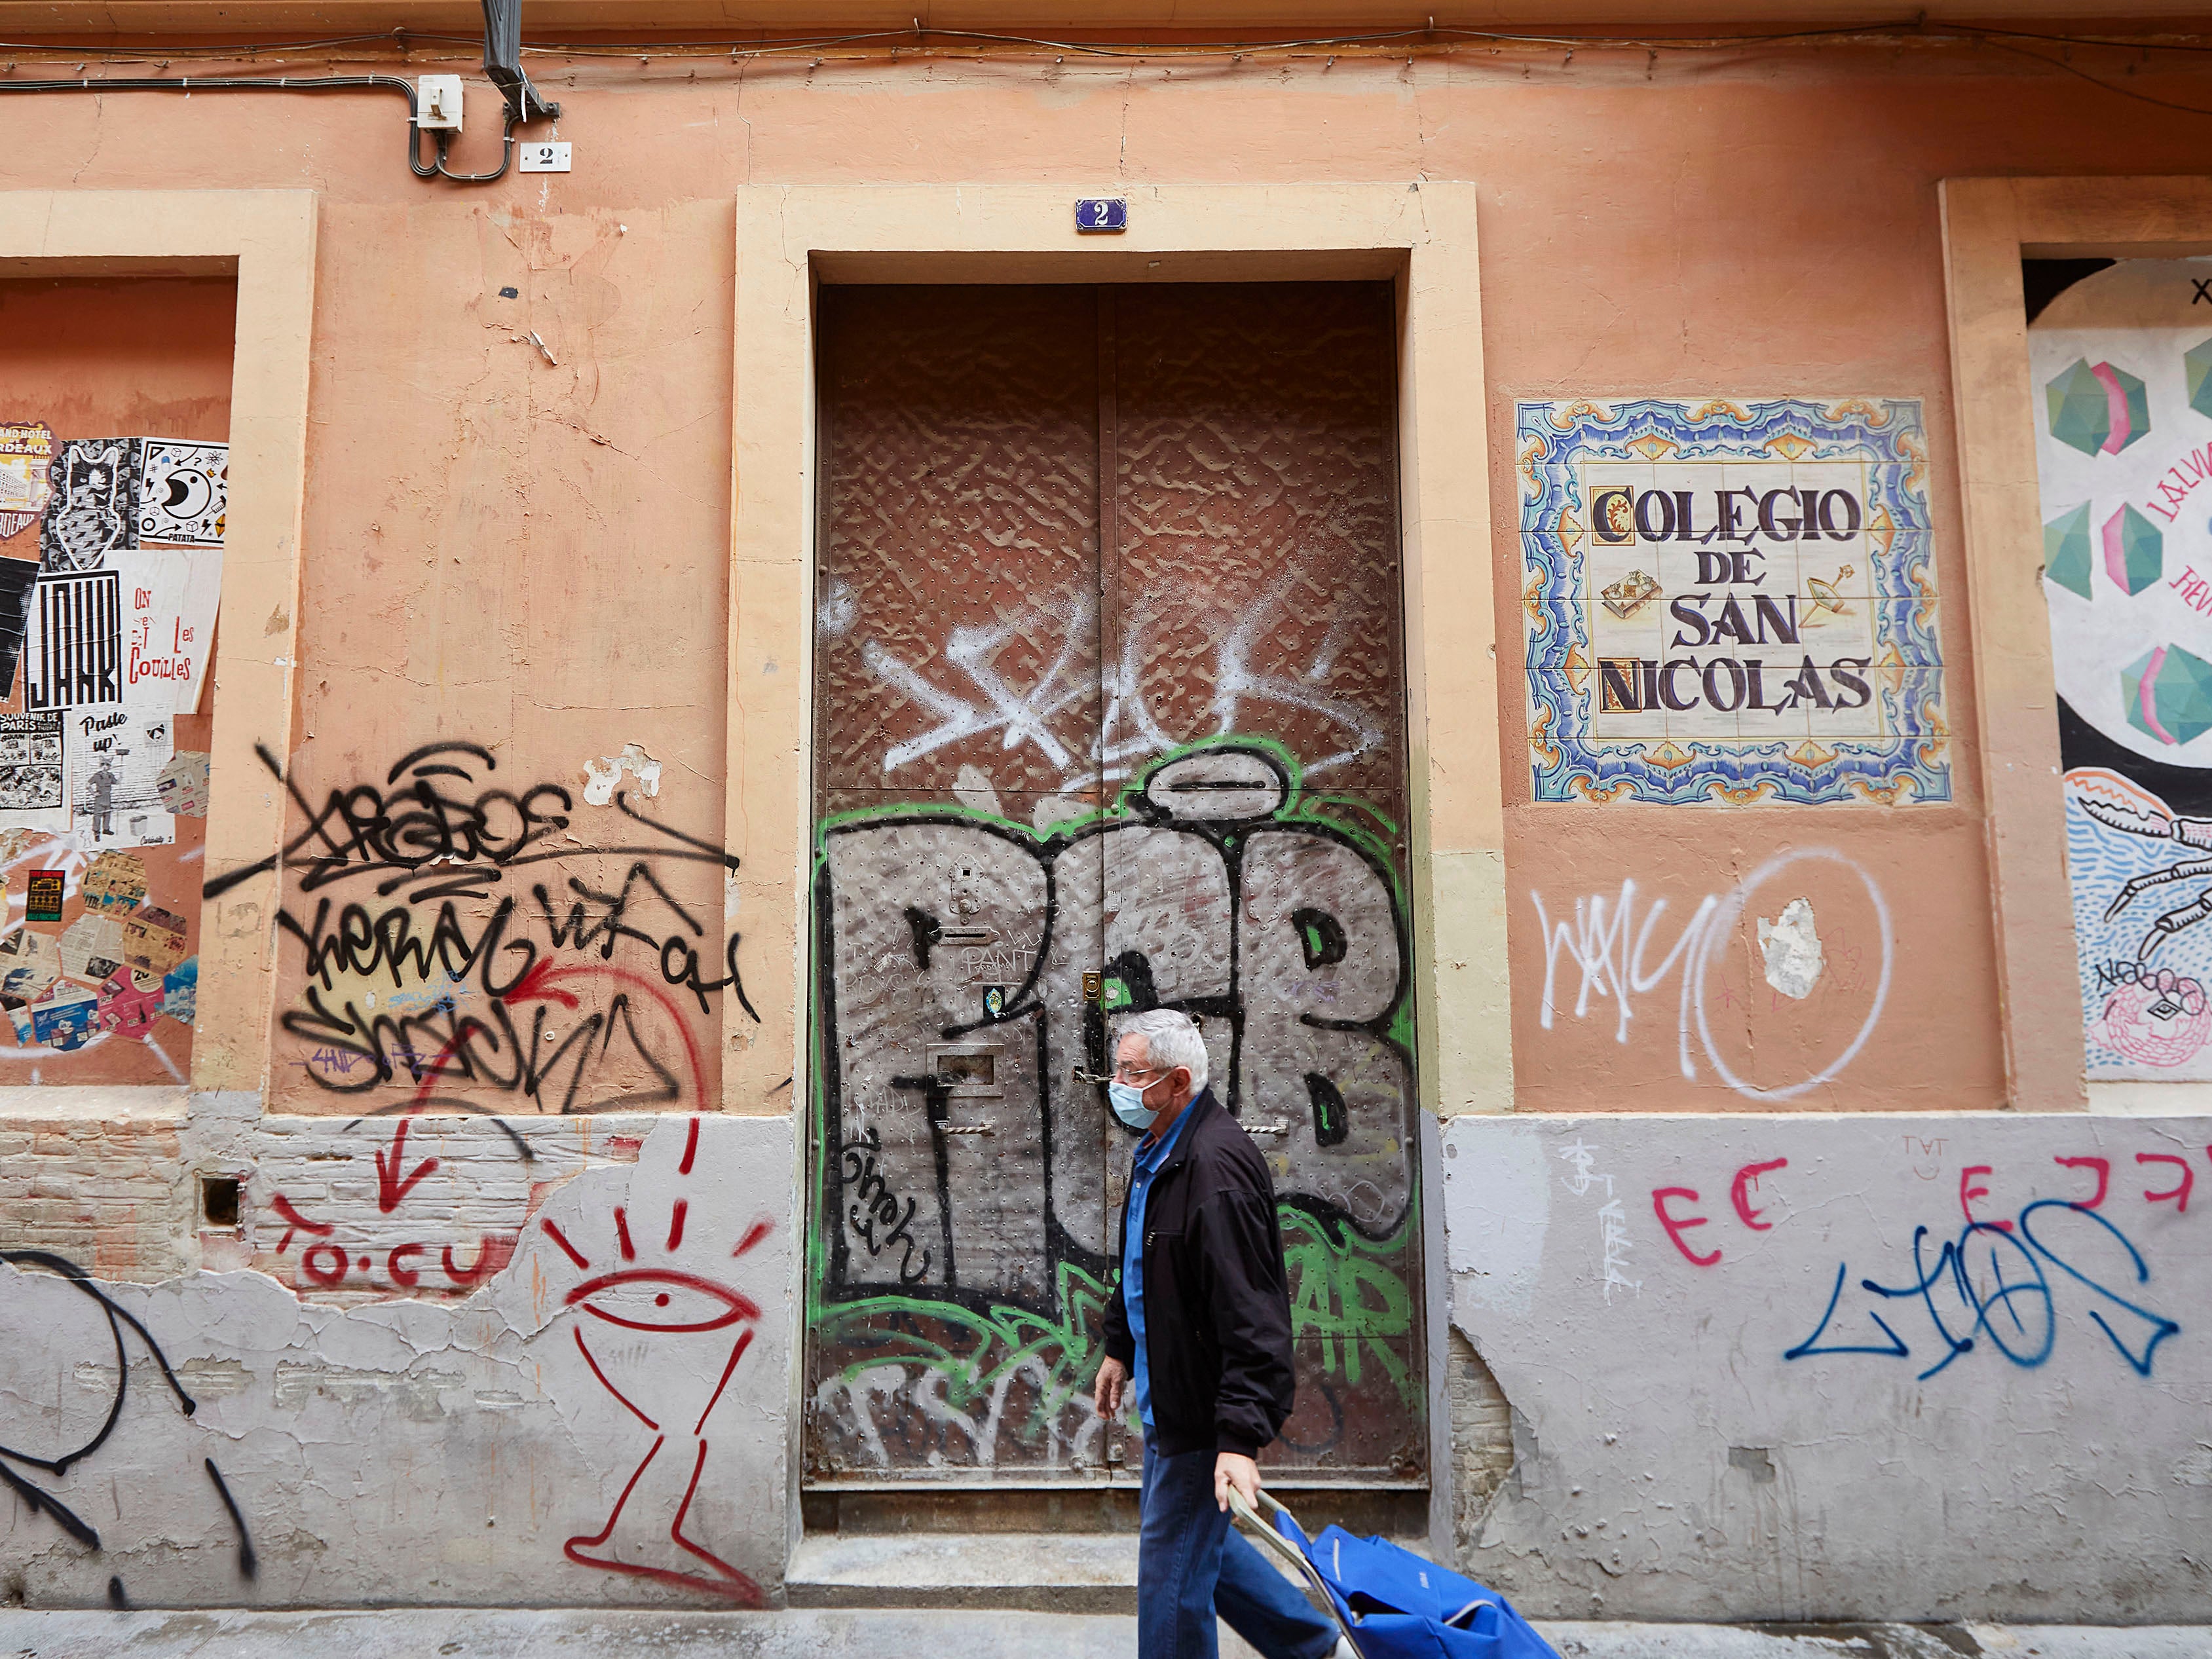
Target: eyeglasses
x,y
1128,1074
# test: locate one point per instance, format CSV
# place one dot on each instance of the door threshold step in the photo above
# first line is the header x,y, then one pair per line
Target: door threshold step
x,y
1058,1572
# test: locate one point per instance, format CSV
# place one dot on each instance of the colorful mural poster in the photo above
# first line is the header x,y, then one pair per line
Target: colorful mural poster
x,y
2122,368
1730,602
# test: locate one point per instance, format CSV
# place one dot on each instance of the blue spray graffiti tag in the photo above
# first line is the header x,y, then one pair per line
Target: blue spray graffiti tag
x,y
2010,1299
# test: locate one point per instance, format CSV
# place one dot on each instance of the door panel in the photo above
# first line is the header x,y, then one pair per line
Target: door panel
x,y
956,618
1008,854
1255,523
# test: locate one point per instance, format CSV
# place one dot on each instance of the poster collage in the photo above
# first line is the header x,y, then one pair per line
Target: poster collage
x,y
111,566
2121,365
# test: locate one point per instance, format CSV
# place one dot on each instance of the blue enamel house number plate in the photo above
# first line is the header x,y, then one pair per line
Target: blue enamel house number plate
x,y
1097,213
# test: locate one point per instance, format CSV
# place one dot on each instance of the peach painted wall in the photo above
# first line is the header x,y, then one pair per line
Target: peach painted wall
x,y
525,550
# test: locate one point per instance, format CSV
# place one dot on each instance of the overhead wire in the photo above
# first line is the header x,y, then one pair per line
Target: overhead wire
x,y
931,42
1918,27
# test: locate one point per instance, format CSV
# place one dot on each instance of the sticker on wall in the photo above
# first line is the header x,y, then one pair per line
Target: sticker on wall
x,y
33,772
184,491
152,940
64,1018
168,597
116,761
27,454
2121,368
130,1003
180,989
30,962
1731,602
42,900
92,947
18,577
116,881
73,649
183,784
92,513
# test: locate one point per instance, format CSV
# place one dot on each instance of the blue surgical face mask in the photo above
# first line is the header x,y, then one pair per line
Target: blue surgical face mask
x,y
1127,1101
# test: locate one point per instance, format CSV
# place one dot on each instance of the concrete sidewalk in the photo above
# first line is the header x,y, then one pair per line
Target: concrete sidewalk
x,y
468,1633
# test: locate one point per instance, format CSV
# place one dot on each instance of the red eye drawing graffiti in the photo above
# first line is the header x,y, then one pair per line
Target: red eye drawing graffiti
x,y
663,1342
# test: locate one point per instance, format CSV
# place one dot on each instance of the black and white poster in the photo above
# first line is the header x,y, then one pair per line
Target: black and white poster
x,y
33,772
117,757
93,512
73,653
17,578
184,491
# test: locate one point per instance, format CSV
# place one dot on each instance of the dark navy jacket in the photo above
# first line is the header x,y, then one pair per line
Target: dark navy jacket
x,y
1217,1305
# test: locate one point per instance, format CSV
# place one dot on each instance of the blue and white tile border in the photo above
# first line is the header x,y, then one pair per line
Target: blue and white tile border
x,y
1886,436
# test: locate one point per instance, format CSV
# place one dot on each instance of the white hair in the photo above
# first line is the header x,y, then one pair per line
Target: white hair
x,y
1170,1040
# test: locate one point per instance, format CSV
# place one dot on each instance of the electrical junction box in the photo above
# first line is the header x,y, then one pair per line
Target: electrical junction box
x,y
438,102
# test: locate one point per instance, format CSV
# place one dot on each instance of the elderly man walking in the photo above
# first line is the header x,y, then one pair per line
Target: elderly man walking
x,y
1200,1329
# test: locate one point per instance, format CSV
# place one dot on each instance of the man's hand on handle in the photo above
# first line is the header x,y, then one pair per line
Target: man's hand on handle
x,y
1233,1471
1106,1393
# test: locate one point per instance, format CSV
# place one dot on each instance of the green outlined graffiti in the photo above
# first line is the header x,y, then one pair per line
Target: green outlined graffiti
x,y
959,1254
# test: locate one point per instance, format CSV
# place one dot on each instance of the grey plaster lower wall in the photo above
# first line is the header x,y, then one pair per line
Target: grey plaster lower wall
x,y
1815,1368
602,1419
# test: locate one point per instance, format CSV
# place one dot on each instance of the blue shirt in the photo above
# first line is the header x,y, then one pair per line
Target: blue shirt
x,y
1150,1156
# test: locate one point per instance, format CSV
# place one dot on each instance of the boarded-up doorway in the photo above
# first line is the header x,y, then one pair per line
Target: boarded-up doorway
x,y
1108,715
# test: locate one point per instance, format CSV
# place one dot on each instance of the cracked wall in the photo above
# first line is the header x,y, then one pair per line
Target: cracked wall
x,y
602,1419
1905,1367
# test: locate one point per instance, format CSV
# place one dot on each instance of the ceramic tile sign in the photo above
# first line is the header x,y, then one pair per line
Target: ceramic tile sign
x,y
2121,367
184,491
26,454
34,771
93,514
1731,602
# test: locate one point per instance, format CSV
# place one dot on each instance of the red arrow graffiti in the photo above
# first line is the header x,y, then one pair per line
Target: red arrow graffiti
x,y
390,1188
541,984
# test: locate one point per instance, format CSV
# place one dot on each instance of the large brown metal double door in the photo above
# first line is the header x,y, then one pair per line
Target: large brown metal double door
x,y
1107,716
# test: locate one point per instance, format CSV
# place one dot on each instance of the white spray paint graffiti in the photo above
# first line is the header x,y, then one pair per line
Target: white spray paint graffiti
x,y
1614,1241
1128,734
1605,942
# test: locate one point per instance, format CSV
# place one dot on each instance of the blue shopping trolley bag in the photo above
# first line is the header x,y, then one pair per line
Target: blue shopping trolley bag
x,y
1391,1602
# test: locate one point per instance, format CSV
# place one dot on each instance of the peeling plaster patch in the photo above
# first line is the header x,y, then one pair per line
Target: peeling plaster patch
x,y
213,1379
1792,950
732,895
975,792
1754,1461
601,775
416,1396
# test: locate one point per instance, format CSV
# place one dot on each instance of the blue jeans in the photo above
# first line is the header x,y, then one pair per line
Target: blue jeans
x,y
1193,1564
